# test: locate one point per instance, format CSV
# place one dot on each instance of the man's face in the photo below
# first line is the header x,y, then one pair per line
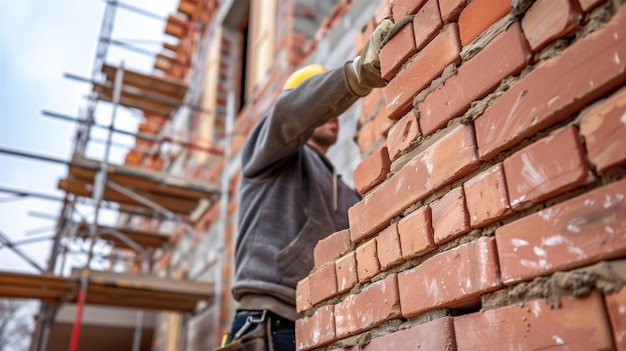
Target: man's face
x,y
326,134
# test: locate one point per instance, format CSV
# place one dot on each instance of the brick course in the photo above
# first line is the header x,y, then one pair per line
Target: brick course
x,y
452,278
505,55
574,233
418,178
555,89
579,324
424,67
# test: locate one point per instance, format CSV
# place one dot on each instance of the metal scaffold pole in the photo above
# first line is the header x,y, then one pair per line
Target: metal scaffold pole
x,y
99,188
145,267
150,197
142,136
81,140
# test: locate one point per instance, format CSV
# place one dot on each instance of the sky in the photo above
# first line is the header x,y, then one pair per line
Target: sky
x,y
41,41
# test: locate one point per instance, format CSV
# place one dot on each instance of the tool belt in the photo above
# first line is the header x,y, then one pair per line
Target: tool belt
x,y
254,335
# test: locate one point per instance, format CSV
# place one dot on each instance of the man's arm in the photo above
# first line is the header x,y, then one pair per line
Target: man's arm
x,y
292,120
297,112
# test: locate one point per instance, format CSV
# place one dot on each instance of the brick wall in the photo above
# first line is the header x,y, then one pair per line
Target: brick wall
x,y
494,185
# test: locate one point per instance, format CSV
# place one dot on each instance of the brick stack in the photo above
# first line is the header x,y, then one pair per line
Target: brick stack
x,y
494,190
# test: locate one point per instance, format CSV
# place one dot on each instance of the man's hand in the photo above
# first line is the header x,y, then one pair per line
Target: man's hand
x,y
363,73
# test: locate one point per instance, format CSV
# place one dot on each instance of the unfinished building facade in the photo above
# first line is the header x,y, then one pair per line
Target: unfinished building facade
x,y
491,169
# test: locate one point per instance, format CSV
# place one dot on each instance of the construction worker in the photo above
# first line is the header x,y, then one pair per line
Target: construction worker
x,y
291,196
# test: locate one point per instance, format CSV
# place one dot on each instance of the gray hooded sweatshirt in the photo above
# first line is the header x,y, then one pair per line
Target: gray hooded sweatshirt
x,y
290,197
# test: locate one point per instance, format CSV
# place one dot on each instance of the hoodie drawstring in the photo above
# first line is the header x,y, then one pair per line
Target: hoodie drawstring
x,y
335,205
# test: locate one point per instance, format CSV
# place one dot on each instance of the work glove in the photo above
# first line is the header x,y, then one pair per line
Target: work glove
x,y
363,73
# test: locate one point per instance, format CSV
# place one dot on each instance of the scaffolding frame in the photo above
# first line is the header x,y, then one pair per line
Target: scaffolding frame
x,y
103,178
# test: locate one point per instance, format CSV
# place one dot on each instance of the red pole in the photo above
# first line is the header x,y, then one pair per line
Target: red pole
x,y
82,296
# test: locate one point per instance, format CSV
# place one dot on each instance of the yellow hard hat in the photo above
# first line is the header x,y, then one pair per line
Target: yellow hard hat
x,y
302,74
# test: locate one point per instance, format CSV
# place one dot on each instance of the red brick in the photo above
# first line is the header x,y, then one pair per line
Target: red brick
x,y
401,8
317,330
583,230
450,217
365,136
616,307
396,51
366,31
534,174
369,308
451,278
425,66
303,295
435,335
382,11
346,272
323,282
505,55
370,103
427,23
480,15
331,247
388,247
372,170
590,4
447,160
486,197
382,123
556,88
402,134
416,233
359,41
548,20
451,9
367,261
604,129
579,324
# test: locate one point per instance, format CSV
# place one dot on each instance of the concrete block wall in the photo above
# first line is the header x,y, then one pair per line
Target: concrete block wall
x,y
493,178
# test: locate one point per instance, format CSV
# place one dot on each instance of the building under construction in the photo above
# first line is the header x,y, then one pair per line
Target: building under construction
x,y
492,171
176,193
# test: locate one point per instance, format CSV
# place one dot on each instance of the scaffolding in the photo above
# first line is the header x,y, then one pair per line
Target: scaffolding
x,y
131,190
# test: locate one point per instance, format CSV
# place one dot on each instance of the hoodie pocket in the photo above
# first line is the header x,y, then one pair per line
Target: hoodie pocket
x,y
295,261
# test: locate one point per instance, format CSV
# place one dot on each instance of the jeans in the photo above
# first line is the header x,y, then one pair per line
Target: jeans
x,y
283,331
